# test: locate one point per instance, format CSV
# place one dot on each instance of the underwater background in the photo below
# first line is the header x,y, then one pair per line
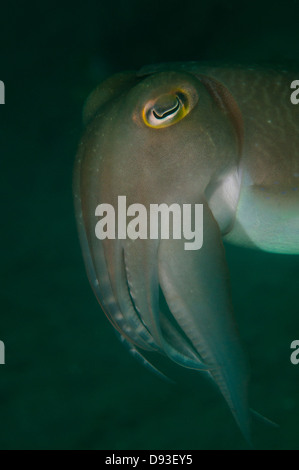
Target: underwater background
x,y
68,383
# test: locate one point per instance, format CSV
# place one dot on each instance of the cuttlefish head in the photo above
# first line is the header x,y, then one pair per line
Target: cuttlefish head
x,y
167,138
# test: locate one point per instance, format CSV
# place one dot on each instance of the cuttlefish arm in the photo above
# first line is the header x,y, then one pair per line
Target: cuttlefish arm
x,y
170,137
195,301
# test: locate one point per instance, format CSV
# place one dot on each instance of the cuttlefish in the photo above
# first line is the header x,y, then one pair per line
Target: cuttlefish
x,y
186,133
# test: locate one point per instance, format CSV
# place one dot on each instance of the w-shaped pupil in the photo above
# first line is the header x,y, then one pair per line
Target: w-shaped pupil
x,y
161,113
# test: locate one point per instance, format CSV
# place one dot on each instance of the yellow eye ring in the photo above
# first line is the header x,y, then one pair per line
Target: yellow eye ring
x,y
166,110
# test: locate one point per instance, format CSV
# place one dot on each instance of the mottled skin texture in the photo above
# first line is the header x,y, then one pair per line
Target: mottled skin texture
x,y
236,151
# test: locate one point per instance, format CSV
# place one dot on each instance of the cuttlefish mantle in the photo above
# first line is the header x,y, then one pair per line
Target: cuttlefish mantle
x,y
223,137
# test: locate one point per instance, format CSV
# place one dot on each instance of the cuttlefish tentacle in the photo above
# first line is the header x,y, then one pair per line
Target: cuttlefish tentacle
x,y
140,357
114,304
115,257
201,305
143,275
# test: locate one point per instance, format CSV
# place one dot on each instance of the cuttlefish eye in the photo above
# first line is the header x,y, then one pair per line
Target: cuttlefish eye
x,y
166,110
